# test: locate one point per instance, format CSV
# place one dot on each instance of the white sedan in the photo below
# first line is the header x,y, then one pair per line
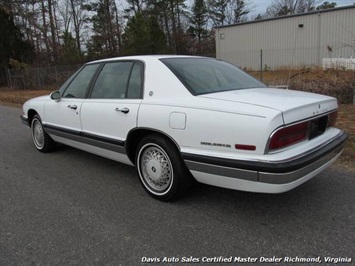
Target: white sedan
x,y
183,118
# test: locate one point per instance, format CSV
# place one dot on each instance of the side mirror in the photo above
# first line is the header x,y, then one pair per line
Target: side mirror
x,y
56,96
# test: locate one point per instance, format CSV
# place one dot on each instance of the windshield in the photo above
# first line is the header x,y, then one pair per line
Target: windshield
x,y
208,75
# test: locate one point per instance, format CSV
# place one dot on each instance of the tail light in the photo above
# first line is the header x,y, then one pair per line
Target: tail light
x,y
306,130
288,136
332,119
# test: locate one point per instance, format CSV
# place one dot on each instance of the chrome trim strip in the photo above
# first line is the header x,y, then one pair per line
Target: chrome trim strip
x,y
276,172
104,145
122,158
253,160
276,178
221,170
89,141
263,177
102,139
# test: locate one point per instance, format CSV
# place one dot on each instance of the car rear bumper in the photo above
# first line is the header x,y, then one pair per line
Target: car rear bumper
x,y
265,176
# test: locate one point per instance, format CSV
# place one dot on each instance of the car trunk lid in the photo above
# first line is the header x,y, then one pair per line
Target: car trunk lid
x,y
294,105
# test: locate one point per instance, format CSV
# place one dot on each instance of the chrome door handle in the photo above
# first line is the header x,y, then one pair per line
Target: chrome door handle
x,y
124,110
74,107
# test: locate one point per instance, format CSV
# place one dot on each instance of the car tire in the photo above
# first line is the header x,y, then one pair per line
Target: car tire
x,y
161,169
42,141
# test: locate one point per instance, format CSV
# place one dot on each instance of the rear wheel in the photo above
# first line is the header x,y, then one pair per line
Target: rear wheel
x,y
161,169
42,141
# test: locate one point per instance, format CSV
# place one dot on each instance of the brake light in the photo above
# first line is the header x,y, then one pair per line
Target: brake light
x,y
245,147
332,119
288,136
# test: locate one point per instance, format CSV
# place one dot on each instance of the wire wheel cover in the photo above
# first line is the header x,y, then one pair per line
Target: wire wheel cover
x,y
156,168
38,134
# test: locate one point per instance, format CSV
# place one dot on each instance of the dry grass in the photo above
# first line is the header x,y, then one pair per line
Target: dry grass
x,y
346,119
336,83
18,97
280,77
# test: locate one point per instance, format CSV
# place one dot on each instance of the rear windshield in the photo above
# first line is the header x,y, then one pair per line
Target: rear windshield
x,y
208,75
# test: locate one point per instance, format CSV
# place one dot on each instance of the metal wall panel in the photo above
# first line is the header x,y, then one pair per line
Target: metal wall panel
x,y
299,40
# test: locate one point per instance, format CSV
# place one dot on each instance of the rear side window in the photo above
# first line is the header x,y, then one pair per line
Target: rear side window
x,y
79,84
207,75
118,80
135,82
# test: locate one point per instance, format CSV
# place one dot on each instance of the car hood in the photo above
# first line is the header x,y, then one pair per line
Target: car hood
x,y
294,105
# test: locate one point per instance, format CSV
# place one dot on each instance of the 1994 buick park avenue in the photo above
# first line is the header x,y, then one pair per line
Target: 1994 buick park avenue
x,y
178,119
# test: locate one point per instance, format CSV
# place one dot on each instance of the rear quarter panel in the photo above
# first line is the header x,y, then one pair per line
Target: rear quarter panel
x,y
228,125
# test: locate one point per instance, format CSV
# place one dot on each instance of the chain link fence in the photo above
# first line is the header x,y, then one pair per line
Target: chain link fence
x,y
325,70
39,78
274,59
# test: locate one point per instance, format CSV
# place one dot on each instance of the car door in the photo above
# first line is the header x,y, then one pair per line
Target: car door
x,y
111,109
64,114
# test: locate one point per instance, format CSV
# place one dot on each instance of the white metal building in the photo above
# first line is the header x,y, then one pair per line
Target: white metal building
x,y
294,40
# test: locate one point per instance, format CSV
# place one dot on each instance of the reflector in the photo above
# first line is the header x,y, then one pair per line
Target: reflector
x,y
245,147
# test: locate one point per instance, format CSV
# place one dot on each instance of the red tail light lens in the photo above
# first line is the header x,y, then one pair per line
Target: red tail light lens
x,y
307,130
288,136
332,119
245,147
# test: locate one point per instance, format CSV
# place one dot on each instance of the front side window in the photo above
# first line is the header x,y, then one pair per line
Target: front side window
x,y
79,85
118,80
207,75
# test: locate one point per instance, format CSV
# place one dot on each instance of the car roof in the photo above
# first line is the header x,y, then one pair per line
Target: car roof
x,y
143,57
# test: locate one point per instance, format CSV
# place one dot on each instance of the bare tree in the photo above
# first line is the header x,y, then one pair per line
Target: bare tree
x,y
66,17
44,28
79,16
286,7
52,16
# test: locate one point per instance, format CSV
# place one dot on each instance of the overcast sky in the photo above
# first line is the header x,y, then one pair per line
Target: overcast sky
x,y
259,6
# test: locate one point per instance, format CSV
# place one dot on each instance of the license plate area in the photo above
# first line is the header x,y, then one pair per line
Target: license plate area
x,y
317,127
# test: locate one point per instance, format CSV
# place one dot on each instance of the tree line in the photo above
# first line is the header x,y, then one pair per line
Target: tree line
x,y
48,32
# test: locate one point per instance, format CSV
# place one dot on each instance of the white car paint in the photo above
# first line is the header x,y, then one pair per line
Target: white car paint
x,y
98,116
224,119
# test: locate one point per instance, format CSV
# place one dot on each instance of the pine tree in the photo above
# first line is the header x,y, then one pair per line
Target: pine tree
x,y
240,10
105,40
13,45
144,36
218,11
199,20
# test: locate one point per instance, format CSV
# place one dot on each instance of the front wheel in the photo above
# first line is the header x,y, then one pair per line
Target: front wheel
x,y
42,141
161,169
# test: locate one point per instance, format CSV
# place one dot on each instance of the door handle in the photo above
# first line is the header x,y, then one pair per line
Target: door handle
x,y
74,107
124,110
